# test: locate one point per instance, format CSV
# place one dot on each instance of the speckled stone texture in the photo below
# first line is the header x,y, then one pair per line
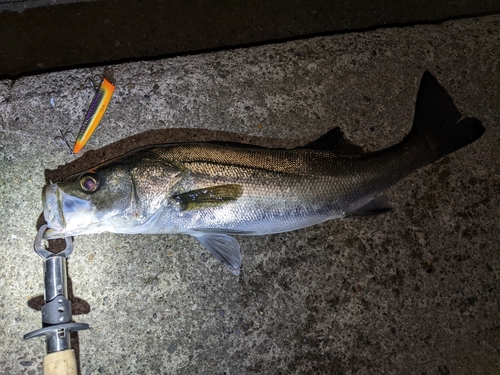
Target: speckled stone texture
x,y
410,292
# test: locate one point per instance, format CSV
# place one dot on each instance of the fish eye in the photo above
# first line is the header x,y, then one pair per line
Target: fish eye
x,y
89,182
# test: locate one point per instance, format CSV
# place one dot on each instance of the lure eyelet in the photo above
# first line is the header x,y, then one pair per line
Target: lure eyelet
x,y
89,182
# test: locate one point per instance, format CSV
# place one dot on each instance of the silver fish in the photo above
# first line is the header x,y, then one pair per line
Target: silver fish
x,y
212,191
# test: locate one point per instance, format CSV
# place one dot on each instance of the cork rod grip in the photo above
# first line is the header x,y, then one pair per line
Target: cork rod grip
x,y
60,363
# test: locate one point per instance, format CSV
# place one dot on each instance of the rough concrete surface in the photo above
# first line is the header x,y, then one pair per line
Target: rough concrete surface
x,y
73,34
410,292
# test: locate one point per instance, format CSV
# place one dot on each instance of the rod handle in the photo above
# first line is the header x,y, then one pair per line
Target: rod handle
x,y
60,363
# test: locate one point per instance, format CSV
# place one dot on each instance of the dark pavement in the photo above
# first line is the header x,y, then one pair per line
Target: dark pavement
x,y
108,31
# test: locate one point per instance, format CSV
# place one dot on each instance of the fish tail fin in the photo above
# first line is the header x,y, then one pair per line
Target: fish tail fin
x,y
438,123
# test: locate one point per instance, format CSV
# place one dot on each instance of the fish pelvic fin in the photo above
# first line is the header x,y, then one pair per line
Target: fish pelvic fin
x,y
439,123
225,248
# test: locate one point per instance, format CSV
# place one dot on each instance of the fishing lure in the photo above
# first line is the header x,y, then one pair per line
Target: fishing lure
x,y
94,114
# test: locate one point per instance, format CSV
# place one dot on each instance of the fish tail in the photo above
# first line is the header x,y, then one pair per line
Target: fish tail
x,y
438,123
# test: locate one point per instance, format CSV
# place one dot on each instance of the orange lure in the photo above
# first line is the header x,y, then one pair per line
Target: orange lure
x,y
94,114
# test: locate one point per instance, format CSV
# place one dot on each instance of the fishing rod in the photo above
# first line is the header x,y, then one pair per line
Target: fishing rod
x,y
57,315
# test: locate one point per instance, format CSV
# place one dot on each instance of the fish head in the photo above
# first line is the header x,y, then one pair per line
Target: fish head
x,y
91,202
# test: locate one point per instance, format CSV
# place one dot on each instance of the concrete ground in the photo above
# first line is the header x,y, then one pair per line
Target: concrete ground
x,y
410,292
46,35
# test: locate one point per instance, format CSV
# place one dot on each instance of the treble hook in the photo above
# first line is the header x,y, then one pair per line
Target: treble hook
x,y
93,81
63,139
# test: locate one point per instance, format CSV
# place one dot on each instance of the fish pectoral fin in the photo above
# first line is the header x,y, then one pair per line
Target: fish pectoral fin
x,y
378,205
208,197
225,248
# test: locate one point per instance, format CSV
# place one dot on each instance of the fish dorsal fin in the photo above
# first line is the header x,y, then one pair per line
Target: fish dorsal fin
x,y
211,196
377,206
225,248
334,141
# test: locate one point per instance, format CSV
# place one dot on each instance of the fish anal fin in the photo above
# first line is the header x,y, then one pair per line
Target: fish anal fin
x,y
377,206
225,248
334,140
208,197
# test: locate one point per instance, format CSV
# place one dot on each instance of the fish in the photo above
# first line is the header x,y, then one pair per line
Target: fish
x,y
213,191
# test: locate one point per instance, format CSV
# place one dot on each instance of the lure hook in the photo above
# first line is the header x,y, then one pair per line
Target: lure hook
x,y
63,139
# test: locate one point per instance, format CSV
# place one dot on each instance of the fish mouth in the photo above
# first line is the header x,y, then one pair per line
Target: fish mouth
x,y
66,215
51,209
